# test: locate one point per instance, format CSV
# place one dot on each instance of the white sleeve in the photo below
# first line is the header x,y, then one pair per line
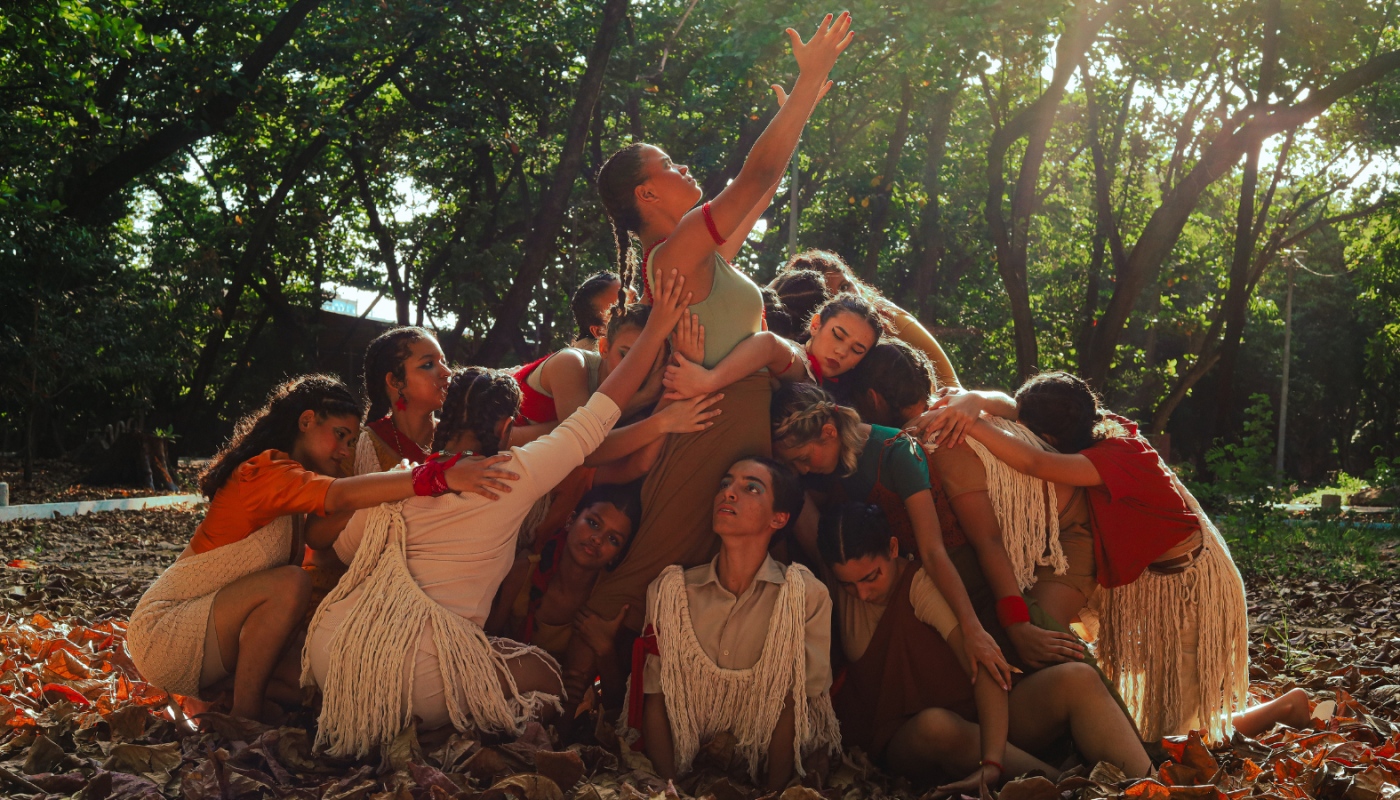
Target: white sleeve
x,y
543,463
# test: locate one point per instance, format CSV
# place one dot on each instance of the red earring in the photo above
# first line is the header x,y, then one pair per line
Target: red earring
x,y
400,403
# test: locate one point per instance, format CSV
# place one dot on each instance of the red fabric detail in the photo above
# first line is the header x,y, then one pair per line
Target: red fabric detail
x,y
816,368
534,406
643,646
646,284
1012,611
430,477
1136,515
404,446
710,224
838,683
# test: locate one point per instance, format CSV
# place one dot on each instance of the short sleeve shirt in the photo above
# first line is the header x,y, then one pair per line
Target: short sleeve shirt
x,y
900,465
263,488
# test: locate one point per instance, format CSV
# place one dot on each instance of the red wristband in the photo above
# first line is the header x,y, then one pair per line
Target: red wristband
x,y
710,223
1012,610
430,477
987,762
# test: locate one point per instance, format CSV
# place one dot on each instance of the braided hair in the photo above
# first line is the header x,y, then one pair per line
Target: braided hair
x,y
585,315
478,398
385,355
802,292
798,412
276,425
851,531
1062,405
900,374
618,180
632,316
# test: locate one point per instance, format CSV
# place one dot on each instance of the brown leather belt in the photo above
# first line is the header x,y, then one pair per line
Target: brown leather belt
x,y
1174,566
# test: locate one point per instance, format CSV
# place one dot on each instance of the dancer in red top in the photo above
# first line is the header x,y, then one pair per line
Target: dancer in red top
x,y
1146,566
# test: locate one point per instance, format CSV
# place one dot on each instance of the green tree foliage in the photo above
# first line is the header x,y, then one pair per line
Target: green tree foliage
x,y
1109,187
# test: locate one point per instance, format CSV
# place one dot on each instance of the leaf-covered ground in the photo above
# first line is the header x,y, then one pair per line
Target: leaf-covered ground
x,y
61,481
76,722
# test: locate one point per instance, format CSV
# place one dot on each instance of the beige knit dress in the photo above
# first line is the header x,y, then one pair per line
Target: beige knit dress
x,y
167,631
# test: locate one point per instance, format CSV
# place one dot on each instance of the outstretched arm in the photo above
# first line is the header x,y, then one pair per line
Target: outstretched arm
x,y
954,411
367,491
691,244
764,349
1070,469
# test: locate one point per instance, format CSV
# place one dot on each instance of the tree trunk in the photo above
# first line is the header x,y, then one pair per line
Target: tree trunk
x,y
257,240
931,234
1237,295
1163,228
555,200
885,194
86,192
1032,122
384,240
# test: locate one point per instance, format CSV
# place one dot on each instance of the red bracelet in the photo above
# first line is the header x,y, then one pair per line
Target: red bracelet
x,y
1012,610
710,223
987,762
430,477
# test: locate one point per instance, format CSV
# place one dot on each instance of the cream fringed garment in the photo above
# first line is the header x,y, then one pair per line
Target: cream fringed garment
x,y
1025,509
703,699
166,634
1141,641
365,684
366,454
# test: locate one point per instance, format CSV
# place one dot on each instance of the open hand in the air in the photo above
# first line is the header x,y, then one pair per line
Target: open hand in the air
x,y
818,55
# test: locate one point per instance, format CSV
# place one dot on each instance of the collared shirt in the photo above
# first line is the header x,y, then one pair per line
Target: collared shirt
x,y
731,630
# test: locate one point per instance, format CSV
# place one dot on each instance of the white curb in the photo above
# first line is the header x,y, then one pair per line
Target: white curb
x,y
50,510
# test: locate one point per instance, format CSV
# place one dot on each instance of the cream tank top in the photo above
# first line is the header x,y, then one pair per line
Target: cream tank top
x,y
731,313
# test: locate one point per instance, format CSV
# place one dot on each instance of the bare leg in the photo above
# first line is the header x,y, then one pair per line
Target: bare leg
x,y
1072,695
1290,708
780,747
937,739
656,728
1058,600
254,617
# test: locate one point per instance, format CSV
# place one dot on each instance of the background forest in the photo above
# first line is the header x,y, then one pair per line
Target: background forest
x,y
1122,189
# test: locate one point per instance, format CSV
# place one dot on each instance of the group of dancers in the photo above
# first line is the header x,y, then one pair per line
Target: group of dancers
x,y
769,511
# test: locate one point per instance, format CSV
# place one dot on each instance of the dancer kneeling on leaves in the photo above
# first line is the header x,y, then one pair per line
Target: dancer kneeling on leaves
x,y
905,695
1145,564
230,603
739,644
400,637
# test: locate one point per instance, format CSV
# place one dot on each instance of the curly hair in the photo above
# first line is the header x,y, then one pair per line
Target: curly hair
x,y
776,315
802,292
276,425
618,180
852,530
1062,405
829,263
899,373
798,412
478,398
586,317
385,355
